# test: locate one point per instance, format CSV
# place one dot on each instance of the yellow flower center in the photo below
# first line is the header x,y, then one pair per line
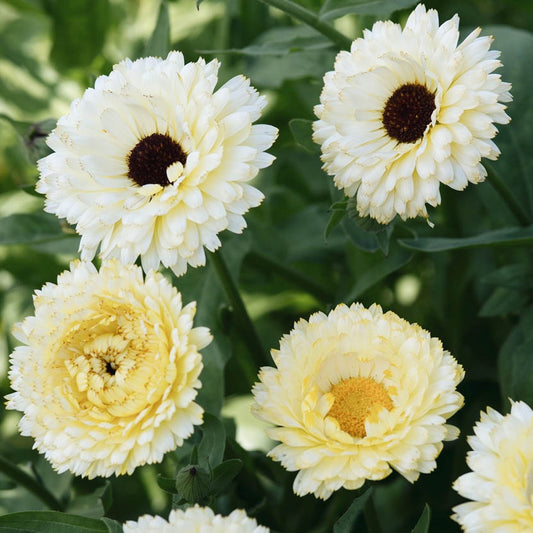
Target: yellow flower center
x,y
355,400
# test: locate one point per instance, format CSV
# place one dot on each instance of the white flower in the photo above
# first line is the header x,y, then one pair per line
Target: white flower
x,y
356,393
154,162
406,110
501,482
109,371
196,520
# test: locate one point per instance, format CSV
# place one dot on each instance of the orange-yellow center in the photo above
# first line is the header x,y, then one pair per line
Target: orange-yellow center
x,y
355,400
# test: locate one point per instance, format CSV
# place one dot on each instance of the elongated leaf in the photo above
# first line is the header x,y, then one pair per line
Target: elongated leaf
x,y
159,42
112,525
224,473
422,526
332,9
500,237
515,361
80,29
517,276
93,505
50,522
211,448
29,228
503,301
346,522
385,266
302,131
168,484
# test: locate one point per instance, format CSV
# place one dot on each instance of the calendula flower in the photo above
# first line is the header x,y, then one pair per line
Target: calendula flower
x,y
500,484
154,162
196,520
108,374
355,394
406,110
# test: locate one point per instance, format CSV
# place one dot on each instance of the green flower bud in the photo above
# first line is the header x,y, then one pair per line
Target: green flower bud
x,y
193,483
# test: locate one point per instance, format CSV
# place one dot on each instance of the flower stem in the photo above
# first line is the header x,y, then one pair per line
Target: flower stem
x,y
248,331
371,516
311,19
503,190
265,263
30,484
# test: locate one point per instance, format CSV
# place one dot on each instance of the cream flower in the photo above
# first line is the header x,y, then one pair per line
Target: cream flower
x,y
356,393
501,482
109,371
196,520
154,162
406,110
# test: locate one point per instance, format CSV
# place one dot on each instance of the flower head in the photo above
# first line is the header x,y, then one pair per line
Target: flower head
x,y
501,482
196,520
356,393
406,110
154,162
109,371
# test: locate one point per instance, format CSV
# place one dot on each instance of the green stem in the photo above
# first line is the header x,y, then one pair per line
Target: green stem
x,y
371,516
266,264
248,332
507,196
30,484
311,19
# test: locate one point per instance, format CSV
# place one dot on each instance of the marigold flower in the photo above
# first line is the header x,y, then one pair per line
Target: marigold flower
x,y
406,110
154,162
354,394
109,372
196,520
500,484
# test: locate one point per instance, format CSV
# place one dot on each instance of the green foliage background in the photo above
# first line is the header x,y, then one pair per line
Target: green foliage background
x,y
468,280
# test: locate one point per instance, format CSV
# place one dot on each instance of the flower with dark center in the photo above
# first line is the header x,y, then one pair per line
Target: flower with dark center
x,y
408,109
155,162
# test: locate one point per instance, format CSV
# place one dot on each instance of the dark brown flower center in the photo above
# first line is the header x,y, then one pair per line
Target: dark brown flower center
x,y
150,158
110,368
408,112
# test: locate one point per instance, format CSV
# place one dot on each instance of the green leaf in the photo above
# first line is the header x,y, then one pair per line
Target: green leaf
x,y
224,473
29,228
499,237
213,443
515,362
79,31
380,270
168,484
302,131
159,42
332,9
517,276
93,505
503,301
422,526
112,525
50,522
346,522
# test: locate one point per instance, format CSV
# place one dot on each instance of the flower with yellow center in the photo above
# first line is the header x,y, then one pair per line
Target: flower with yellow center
x,y
196,520
108,374
355,394
154,162
500,484
408,109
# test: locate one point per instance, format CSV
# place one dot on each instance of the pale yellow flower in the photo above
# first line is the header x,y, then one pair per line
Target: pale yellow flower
x,y
108,374
196,520
501,482
355,394
408,109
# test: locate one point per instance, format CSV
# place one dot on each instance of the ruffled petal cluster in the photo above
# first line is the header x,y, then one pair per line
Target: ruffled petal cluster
x,y
196,520
500,485
155,162
355,394
108,373
408,109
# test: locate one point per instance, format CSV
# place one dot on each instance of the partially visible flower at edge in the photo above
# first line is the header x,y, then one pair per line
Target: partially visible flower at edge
x,y
108,374
406,110
154,162
196,520
500,484
355,394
